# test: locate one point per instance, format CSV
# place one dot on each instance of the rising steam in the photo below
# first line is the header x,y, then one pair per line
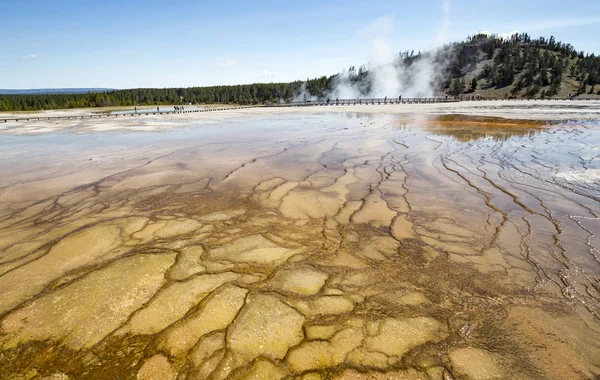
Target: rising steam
x,y
389,74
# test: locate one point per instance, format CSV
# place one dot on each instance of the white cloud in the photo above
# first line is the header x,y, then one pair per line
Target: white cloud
x,y
551,24
503,36
32,56
268,74
223,62
381,26
506,36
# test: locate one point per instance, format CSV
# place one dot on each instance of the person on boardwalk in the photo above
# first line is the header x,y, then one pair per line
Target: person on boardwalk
x,y
135,109
157,109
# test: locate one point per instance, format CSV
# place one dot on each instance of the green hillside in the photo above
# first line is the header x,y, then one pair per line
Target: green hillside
x,y
521,67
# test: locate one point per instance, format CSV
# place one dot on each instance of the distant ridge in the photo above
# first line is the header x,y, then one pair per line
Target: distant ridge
x,y
43,91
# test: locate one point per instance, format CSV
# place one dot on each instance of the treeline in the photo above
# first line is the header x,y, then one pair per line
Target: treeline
x,y
256,93
530,67
239,94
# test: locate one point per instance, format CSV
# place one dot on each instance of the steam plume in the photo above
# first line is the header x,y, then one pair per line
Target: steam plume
x,y
390,74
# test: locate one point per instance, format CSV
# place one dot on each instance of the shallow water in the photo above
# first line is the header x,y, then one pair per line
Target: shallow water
x,y
303,246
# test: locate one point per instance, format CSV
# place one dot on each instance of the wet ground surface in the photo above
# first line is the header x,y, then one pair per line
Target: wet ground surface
x,y
303,246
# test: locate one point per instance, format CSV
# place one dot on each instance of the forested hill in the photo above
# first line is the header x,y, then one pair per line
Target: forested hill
x,y
522,67
517,67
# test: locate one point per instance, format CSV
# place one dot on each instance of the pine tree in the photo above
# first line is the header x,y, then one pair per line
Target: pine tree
x,y
582,86
544,73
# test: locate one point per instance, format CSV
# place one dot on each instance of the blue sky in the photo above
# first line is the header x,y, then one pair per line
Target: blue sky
x,y
126,44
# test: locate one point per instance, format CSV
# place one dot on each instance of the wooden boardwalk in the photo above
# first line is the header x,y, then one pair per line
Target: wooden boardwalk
x,y
306,103
369,101
121,115
383,101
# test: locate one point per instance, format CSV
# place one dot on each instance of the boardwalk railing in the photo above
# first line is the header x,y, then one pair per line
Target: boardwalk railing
x,y
359,101
127,114
401,100
305,103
